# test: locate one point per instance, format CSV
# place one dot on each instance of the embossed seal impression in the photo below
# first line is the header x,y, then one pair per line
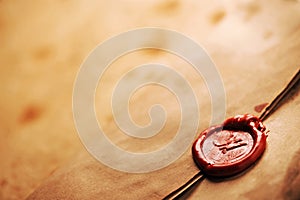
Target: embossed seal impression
x,y
228,149
231,147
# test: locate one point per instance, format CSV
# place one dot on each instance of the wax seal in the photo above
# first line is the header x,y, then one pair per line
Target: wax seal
x,y
228,149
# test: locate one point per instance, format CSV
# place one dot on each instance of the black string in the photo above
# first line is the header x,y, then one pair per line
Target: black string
x,y
295,81
279,98
176,194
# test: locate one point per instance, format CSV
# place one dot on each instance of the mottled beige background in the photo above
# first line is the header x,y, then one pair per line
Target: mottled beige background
x,y
255,45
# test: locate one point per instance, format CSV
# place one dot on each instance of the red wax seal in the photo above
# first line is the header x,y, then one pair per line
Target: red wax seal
x,y
231,147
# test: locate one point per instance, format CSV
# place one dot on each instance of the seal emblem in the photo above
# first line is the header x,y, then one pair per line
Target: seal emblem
x,y
228,149
231,147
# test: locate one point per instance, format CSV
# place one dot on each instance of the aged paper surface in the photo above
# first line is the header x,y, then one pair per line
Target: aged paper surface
x,y
256,49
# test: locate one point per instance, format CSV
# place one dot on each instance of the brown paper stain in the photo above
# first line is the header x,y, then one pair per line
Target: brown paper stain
x,y
217,17
3,183
153,52
168,7
30,113
251,10
71,24
43,53
260,107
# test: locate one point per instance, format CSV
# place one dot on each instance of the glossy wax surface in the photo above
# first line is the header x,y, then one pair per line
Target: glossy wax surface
x,y
228,149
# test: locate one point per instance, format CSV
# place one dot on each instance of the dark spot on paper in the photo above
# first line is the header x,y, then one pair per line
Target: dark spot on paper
x,y
3,183
217,17
168,7
260,107
153,52
30,114
251,10
291,182
43,53
109,119
52,172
